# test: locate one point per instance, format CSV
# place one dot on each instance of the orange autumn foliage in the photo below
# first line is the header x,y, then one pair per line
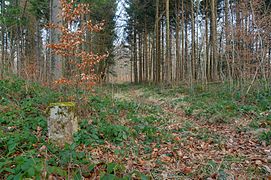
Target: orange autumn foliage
x,y
81,63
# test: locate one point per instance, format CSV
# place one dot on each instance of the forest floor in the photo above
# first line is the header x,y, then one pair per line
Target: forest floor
x,y
206,141
138,132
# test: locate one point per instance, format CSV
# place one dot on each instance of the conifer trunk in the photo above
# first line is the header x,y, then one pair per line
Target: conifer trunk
x,y
158,52
167,62
135,58
178,58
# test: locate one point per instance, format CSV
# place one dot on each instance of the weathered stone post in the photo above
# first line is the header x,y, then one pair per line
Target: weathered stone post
x,y
62,122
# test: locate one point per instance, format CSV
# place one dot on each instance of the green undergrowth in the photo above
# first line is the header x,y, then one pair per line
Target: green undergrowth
x,y
123,129
26,153
216,103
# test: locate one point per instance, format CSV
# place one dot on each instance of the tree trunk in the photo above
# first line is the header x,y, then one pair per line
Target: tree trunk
x,y
183,42
163,54
146,59
214,45
158,52
197,71
2,42
178,58
167,62
140,58
55,33
150,56
187,66
192,72
227,40
135,58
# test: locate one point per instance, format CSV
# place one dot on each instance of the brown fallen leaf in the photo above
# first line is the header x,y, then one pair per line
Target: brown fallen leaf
x,y
154,153
177,138
180,153
258,162
186,170
165,158
186,157
214,176
141,162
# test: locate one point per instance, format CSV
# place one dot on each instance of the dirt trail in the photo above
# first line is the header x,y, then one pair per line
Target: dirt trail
x,y
238,154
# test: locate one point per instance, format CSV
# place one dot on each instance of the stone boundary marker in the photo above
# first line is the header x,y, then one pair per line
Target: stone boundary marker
x,y
62,122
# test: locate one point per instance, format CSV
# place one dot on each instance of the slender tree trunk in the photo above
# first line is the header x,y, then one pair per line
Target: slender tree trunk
x,y
183,42
140,58
2,42
154,57
163,54
5,58
208,61
38,51
178,58
192,75
214,44
233,44
167,62
131,68
197,71
10,65
146,59
171,55
18,52
143,57
187,61
150,56
135,58
158,52
227,41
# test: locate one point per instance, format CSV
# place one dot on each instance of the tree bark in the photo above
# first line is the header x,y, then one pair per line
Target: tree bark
x,y
227,40
167,62
158,52
192,72
214,45
135,58
146,59
183,44
56,60
140,58
178,58
187,66
2,42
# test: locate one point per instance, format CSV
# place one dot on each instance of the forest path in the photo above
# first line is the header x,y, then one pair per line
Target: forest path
x,y
220,149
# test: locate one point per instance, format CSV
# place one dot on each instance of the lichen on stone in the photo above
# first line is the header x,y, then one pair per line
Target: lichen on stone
x,y
62,122
65,104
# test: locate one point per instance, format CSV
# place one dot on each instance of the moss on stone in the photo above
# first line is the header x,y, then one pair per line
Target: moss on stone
x,y
62,104
62,122
70,105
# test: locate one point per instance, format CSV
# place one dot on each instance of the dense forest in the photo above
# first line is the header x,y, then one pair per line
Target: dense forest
x,y
169,42
25,37
199,41
135,89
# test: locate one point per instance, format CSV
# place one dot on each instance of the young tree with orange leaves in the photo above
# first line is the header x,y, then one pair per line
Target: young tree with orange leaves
x,y
78,63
